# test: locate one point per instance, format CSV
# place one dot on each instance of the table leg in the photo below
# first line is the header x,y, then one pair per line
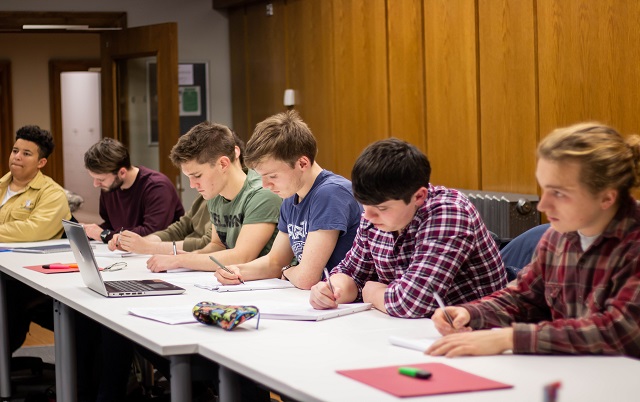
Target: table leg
x,y
65,350
229,385
5,355
180,378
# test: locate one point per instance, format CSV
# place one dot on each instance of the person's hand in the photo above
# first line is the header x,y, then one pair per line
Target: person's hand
x,y
460,317
321,297
93,231
476,343
133,242
114,243
226,278
161,263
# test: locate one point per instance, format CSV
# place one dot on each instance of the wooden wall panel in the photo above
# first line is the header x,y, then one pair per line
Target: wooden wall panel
x,y
239,73
406,71
310,70
452,92
265,61
589,56
360,63
508,103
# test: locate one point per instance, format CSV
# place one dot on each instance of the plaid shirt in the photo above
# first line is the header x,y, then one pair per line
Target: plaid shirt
x,y
570,301
446,244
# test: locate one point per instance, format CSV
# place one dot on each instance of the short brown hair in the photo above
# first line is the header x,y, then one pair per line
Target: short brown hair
x,y
284,137
107,156
205,143
607,159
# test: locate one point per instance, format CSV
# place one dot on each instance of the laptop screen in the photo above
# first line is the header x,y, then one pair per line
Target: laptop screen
x,y
84,257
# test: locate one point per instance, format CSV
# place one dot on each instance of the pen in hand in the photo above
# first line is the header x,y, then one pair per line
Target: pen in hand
x,y
326,274
118,239
225,268
440,304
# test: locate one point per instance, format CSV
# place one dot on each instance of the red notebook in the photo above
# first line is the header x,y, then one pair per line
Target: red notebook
x,y
39,268
444,380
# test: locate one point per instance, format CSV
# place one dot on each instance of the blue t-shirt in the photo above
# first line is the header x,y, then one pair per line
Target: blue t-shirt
x,y
329,205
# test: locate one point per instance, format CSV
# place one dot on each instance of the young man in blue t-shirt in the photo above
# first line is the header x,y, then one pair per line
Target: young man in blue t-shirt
x,y
319,216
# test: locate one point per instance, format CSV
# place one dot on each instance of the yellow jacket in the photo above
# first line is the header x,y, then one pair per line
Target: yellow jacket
x,y
34,214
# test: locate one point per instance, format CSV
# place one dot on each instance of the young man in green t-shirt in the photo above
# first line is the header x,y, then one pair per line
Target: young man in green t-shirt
x,y
243,214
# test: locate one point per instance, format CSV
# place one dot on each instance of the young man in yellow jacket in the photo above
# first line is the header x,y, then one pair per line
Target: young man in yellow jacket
x,y
32,205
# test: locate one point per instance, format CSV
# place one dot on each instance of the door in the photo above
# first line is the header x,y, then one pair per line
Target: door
x,y
140,93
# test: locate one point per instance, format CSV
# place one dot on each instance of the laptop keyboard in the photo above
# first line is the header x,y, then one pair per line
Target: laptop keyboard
x,y
130,286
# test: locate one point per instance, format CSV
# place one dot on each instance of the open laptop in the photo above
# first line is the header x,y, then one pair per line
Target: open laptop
x,y
93,279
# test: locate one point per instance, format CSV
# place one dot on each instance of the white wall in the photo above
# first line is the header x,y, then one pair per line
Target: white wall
x,y
202,37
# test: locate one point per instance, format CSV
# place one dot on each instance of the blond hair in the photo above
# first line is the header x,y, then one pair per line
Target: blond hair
x,y
607,159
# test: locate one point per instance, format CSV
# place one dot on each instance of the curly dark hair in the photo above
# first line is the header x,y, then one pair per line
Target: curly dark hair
x,y
41,137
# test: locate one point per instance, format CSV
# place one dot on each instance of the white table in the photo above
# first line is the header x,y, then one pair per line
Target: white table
x,y
297,359
70,293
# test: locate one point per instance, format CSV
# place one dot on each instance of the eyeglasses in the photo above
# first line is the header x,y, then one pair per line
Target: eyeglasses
x,y
116,266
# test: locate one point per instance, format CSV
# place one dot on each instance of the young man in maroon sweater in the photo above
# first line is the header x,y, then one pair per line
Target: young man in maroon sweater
x,y
133,198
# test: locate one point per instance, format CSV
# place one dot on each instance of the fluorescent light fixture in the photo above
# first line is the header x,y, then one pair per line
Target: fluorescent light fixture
x,y
67,27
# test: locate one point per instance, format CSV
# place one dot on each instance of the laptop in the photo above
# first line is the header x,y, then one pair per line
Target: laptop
x,y
92,277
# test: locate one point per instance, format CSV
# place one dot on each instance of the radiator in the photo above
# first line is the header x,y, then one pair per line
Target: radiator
x,y
505,214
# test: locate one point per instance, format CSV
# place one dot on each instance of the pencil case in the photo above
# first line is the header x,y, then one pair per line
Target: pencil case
x,y
224,316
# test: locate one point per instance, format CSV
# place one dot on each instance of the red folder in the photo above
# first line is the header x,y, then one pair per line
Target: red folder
x,y
38,268
444,380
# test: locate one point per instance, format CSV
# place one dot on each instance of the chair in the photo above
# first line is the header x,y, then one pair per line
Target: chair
x,y
519,251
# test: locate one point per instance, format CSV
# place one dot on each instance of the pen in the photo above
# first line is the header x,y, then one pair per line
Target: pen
x,y
440,303
59,266
119,234
225,268
551,391
326,274
414,372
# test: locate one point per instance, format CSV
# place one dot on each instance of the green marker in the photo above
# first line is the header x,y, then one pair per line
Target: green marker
x,y
414,372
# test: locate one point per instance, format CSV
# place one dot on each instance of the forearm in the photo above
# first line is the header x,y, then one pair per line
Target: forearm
x,y
302,276
347,286
264,267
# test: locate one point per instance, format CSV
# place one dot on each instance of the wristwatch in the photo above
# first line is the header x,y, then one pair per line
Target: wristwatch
x,y
105,236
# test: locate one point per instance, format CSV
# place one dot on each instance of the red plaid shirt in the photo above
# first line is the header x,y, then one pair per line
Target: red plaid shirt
x,y
446,244
570,301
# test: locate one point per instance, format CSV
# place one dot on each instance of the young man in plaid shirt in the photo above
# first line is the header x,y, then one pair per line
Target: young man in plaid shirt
x,y
413,239
581,292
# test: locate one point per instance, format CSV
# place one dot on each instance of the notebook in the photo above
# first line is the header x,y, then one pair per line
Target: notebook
x,y
93,279
281,310
53,248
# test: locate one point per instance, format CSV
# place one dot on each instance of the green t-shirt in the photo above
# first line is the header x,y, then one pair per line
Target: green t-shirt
x,y
253,204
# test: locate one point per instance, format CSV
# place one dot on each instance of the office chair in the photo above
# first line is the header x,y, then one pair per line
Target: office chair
x,y
519,251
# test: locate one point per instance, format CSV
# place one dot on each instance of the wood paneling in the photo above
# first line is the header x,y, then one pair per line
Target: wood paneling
x,y
508,103
589,54
406,71
6,115
238,57
310,70
361,90
266,61
452,93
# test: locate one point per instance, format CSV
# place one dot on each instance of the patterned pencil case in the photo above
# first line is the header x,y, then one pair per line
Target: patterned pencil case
x,y
224,316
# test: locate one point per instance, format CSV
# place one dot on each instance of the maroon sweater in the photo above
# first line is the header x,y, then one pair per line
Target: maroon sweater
x,y
149,205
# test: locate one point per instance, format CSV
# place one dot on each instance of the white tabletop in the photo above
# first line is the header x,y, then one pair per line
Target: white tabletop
x,y
300,359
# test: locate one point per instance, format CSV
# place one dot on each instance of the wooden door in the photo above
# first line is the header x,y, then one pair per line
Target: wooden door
x,y
118,48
